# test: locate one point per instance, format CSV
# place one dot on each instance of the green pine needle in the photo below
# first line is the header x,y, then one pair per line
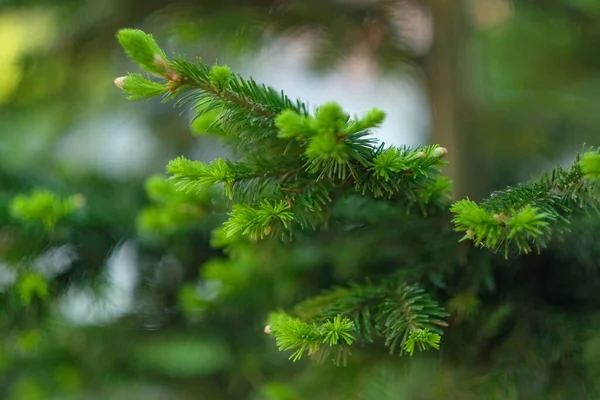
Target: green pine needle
x,y
390,161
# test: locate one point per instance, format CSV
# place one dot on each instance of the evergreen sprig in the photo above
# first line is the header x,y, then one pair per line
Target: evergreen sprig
x,y
422,340
314,339
385,309
286,154
247,110
527,215
292,164
32,285
171,209
196,177
143,49
44,206
259,221
140,87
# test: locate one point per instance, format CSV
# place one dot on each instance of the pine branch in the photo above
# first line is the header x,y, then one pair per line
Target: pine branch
x,y
287,155
196,177
528,215
404,315
259,221
44,206
316,340
171,209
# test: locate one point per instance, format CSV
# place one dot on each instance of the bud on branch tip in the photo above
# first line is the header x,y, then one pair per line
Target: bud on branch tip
x,y
440,152
120,82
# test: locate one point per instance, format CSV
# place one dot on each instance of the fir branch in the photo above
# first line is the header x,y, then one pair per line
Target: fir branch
x,y
244,104
171,210
410,173
527,215
395,312
247,109
259,221
423,340
195,176
409,310
44,206
288,155
293,334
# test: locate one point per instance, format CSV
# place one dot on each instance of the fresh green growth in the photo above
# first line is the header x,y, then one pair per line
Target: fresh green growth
x,y
590,165
140,87
386,309
221,76
294,334
196,177
423,340
287,155
527,215
171,209
258,222
32,286
143,49
44,206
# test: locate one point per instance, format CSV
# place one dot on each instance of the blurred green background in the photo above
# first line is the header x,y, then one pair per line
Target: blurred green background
x,y
510,87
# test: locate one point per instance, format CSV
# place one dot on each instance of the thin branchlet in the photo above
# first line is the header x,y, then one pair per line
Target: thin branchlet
x,y
529,214
229,96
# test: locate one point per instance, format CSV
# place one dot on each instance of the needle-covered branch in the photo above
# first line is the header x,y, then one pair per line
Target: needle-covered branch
x,y
259,221
172,210
405,316
291,166
318,340
527,215
284,153
44,206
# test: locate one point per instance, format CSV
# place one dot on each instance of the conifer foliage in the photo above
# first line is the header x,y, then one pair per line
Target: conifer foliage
x,y
528,214
291,168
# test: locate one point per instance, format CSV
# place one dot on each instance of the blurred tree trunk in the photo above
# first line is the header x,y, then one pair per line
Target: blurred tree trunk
x,y
444,68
